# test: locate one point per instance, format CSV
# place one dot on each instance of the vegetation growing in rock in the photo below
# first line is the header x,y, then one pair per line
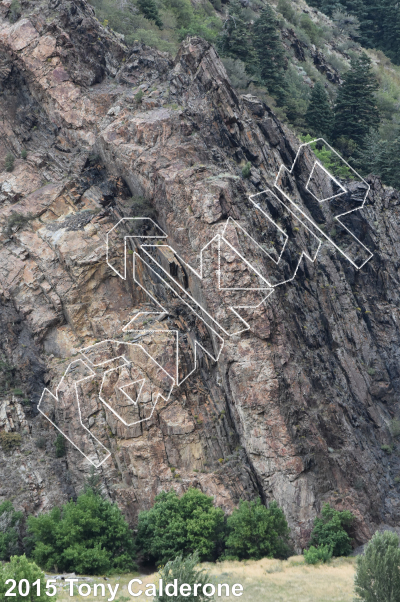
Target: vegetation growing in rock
x,y
181,526
16,221
89,536
10,441
10,525
255,532
9,162
60,446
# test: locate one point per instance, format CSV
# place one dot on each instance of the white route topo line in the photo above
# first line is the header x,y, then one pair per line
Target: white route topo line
x,y
216,328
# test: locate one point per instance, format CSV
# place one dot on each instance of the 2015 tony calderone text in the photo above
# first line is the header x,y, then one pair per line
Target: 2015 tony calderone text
x,y
172,589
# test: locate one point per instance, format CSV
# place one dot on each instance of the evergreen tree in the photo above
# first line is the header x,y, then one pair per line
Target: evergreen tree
x,y
235,39
355,111
269,48
319,116
150,11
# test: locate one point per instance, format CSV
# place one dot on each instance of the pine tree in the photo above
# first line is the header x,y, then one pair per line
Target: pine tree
x,y
270,52
319,116
150,11
235,39
355,111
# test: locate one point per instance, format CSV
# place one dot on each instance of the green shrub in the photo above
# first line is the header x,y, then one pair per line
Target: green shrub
x,y
314,555
138,96
89,536
41,442
60,446
286,10
21,568
183,569
9,162
24,154
9,441
15,11
17,221
10,523
312,30
378,570
388,449
180,526
255,531
331,529
236,71
246,170
329,159
395,427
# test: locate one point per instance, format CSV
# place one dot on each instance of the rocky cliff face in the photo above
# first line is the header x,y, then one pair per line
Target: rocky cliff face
x,y
298,407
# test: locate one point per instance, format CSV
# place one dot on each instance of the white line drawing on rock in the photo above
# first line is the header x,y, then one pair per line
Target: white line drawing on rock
x,y
147,260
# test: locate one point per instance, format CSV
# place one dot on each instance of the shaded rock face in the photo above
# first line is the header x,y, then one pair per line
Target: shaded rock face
x,y
298,407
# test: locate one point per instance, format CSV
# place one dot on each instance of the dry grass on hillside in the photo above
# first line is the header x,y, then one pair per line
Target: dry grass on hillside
x,y
265,580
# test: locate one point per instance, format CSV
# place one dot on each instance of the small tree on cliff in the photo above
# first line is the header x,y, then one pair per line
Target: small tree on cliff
x,y
235,37
269,48
150,10
319,116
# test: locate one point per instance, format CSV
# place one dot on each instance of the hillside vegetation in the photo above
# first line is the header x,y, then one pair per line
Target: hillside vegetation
x,y
283,53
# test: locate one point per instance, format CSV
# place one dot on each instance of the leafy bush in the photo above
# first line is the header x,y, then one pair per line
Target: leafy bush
x,y
138,96
395,427
314,555
15,11
378,570
312,30
41,443
24,154
9,162
183,569
10,523
21,568
246,170
60,446
17,221
255,531
331,529
10,441
180,526
286,10
89,536
329,159
236,71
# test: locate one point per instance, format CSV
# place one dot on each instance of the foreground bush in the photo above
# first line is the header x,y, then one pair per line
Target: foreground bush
x,y
88,536
256,532
331,530
21,568
10,524
184,570
314,555
180,526
378,570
